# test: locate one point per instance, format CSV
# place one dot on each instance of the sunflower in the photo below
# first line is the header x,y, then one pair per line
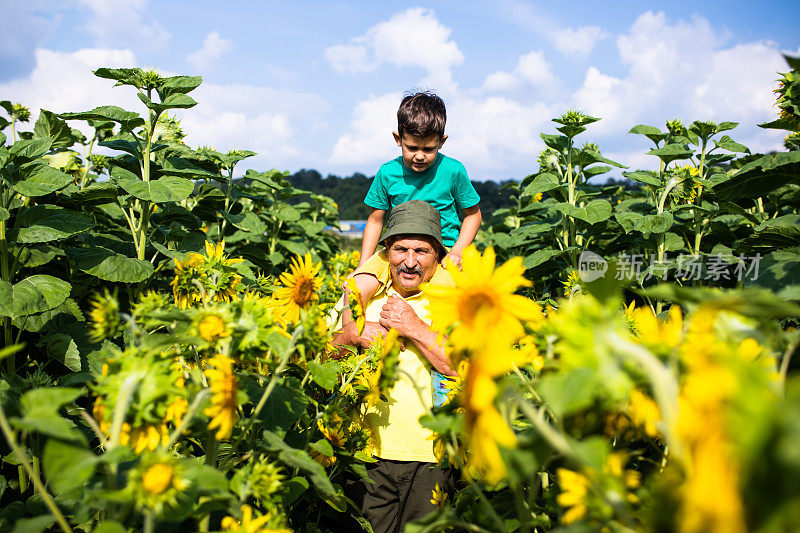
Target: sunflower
x,y
176,410
158,478
300,287
572,284
265,479
644,412
211,274
653,332
223,279
485,428
333,430
268,523
146,437
438,497
356,305
183,288
157,482
105,316
212,327
482,306
224,404
574,489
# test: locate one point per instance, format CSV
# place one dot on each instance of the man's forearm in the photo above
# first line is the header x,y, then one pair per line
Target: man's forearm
x,y
432,348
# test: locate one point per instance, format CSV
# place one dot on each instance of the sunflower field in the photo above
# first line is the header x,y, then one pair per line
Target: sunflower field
x,y
627,354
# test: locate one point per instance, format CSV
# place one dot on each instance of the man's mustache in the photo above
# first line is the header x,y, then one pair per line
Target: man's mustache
x,y
403,269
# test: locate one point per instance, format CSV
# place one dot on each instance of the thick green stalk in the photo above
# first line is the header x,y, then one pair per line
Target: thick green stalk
x,y
126,391
224,222
148,521
212,448
662,236
569,223
6,276
4,266
699,235
88,154
145,206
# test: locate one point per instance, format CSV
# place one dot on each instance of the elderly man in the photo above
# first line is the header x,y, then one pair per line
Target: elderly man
x,y
406,473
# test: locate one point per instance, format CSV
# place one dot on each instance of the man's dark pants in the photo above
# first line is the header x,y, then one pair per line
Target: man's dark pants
x,y
401,492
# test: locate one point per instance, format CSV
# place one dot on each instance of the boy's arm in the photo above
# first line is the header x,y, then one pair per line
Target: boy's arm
x,y
372,232
367,285
469,228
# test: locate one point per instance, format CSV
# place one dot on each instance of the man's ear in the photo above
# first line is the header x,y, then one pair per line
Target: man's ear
x,y
396,138
442,140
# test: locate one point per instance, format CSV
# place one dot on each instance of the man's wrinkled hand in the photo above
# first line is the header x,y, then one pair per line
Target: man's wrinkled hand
x,y
397,314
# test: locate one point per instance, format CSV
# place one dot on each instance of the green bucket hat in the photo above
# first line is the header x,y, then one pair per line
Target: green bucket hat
x,y
415,217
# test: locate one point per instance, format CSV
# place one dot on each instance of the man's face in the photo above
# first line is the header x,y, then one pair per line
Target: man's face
x,y
419,153
412,260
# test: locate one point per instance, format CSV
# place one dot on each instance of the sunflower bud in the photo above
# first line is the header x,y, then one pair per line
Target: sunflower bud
x,y
106,323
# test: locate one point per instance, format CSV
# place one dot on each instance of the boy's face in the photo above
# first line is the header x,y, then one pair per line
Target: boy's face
x,y
419,153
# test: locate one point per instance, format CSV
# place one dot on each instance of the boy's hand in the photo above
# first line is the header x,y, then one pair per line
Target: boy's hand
x,y
455,258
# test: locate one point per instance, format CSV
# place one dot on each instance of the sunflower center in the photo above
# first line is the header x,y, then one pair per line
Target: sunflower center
x,y
157,478
303,291
211,327
470,305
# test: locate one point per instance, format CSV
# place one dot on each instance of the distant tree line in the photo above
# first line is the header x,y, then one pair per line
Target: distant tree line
x,y
349,192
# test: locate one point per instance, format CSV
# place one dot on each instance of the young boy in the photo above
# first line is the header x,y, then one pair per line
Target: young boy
x,y
420,173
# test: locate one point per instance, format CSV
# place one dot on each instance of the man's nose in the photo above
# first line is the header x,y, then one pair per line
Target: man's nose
x,y
410,260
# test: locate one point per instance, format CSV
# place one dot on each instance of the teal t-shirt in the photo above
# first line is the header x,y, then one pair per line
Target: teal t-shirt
x,y
444,185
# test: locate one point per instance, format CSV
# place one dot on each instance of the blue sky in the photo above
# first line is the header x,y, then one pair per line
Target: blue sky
x,y
316,84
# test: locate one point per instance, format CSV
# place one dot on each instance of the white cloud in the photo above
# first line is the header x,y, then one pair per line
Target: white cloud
x,y
495,136
63,82
683,69
224,116
214,47
351,58
577,41
269,121
531,68
500,81
122,24
411,38
369,141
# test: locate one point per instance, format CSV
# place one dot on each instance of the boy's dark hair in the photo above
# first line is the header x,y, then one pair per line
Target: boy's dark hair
x,y
421,114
